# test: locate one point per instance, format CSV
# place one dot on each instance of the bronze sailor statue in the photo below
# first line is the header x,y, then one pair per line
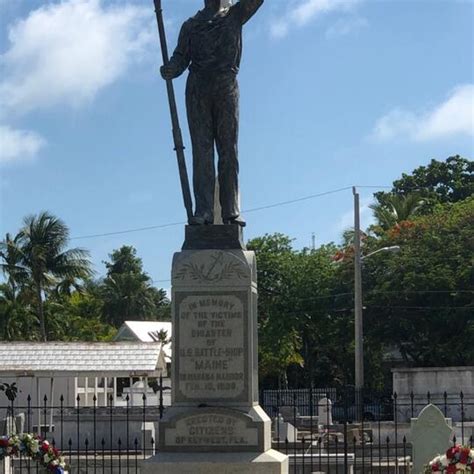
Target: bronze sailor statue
x,y
210,46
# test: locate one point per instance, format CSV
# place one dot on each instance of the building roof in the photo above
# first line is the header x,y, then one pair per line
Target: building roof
x,y
145,331
68,358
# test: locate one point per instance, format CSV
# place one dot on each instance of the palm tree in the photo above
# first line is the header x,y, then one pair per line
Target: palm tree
x,y
43,240
127,296
16,317
11,264
396,208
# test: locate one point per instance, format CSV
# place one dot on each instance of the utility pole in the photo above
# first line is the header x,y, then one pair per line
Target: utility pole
x,y
313,241
358,317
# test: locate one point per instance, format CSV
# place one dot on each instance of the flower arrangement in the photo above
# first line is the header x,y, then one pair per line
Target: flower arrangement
x,y
34,447
456,459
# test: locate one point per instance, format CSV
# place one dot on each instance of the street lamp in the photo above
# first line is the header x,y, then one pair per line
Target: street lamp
x,y
393,248
358,319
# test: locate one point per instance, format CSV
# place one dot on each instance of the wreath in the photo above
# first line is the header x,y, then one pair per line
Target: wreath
x,y
34,447
457,459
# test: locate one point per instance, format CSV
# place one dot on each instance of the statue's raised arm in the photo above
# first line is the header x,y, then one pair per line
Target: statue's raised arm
x,y
249,8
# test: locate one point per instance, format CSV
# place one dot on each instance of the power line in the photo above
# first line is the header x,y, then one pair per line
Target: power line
x,y
174,224
330,311
292,201
373,292
423,308
128,231
362,186
255,209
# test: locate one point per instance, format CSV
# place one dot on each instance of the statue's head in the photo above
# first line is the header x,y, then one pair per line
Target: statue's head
x,y
217,4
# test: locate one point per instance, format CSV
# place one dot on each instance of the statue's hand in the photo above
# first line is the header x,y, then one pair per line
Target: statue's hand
x,y
168,72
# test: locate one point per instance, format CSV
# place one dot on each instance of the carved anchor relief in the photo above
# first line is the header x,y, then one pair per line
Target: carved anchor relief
x,y
218,269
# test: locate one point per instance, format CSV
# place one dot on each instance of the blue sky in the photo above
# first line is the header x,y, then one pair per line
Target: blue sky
x,y
334,93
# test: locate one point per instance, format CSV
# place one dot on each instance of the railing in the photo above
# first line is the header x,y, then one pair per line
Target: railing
x,y
93,439
318,436
345,431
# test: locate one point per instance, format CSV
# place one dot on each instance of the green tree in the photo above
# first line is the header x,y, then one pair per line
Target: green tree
x,y
451,180
162,304
396,208
420,300
12,264
17,320
279,342
78,315
127,290
304,331
44,255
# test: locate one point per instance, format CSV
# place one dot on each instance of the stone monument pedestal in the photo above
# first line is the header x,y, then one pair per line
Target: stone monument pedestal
x,y
269,462
215,424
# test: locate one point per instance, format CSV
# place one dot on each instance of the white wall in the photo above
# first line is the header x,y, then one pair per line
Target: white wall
x,y
436,380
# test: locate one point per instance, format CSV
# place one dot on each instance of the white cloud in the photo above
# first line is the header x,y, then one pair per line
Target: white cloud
x,y
396,122
345,26
16,145
302,12
65,53
279,28
454,116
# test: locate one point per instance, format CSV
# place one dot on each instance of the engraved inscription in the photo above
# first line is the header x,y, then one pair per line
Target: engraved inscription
x,y
211,346
211,429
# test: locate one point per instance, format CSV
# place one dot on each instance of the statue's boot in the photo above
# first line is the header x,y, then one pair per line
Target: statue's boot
x,y
236,220
200,220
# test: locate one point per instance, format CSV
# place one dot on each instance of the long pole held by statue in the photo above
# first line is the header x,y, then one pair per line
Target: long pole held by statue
x,y
177,136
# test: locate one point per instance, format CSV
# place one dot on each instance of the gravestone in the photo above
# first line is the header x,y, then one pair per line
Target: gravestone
x,y
5,466
20,423
430,435
289,413
8,426
325,411
288,432
215,423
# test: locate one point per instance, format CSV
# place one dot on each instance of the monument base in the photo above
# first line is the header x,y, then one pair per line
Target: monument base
x,y
215,425
214,429
270,462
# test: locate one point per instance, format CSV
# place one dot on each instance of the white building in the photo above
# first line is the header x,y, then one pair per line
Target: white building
x,y
71,374
147,331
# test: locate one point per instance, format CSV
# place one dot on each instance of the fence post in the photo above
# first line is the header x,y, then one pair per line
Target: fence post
x,y
311,414
395,396
346,464
78,442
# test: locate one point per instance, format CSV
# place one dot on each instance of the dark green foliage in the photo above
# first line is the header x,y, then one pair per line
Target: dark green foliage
x,y
48,292
299,328
10,389
127,291
418,303
396,208
439,182
37,262
422,304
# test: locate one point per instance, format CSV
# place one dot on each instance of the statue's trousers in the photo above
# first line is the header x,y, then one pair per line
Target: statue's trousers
x,y
212,102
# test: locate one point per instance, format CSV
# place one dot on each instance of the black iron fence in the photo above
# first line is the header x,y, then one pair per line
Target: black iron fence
x,y
344,431
93,439
321,430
